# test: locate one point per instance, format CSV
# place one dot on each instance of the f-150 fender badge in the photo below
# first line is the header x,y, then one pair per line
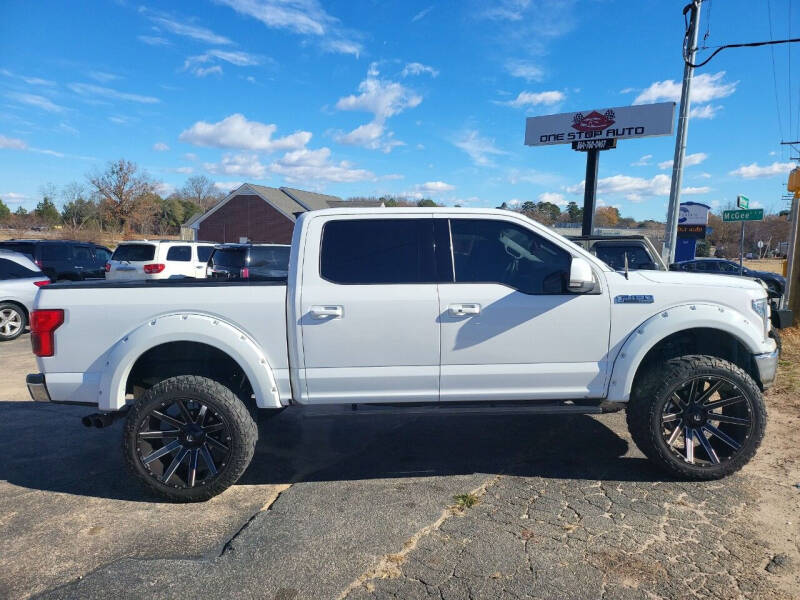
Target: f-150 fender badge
x,y
633,299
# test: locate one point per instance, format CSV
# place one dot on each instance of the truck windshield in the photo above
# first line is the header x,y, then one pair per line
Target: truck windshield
x,y
229,258
134,252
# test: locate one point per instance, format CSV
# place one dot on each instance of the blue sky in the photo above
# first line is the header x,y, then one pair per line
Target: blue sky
x,y
371,97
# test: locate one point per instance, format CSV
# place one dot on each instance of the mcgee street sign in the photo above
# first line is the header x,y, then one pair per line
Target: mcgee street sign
x,y
621,122
753,214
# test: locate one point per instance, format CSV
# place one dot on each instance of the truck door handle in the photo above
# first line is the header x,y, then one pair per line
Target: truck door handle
x,y
323,312
460,310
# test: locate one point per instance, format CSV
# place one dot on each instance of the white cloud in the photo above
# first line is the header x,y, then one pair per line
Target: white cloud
x,y
524,70
371,136
184,170
689,160
535,99
382,98
236,132
12,143
196,32
164,189
553,197
244,165
707,111
754,170
37,101
102,76
625,184
160,147
153,40
227,186
434,187
480,149
416,68
421,14
644,161
703,189
13,198
315,165
304,17
88,89
514,203
705,88
190,156
29,80
205,71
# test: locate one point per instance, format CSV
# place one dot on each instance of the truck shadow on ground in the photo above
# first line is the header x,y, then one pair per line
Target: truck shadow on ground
x,y
46,448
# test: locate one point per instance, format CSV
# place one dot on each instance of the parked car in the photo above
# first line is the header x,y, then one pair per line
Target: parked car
x,y
249,261
776,284
63,259
159,259
613,249
394,309
20,279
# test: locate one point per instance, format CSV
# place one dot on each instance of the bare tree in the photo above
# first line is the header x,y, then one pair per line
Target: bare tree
x,y
119,188
200,190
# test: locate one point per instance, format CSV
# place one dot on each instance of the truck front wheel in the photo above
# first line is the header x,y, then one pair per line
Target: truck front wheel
x,y
698,417
189,438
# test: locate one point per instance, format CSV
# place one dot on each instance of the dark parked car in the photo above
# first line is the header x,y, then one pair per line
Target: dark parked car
x,y
612,250
249,261
64,259
776,284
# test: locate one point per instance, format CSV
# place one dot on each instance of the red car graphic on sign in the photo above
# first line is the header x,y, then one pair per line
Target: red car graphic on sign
x,y
594,121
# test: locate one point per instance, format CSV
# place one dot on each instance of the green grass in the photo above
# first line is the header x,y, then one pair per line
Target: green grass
x,y
464,501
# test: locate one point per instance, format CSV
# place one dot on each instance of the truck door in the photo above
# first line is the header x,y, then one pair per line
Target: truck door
x,y
369,310
510,330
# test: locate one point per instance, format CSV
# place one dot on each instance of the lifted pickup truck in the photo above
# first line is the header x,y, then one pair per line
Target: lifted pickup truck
x,y
434,309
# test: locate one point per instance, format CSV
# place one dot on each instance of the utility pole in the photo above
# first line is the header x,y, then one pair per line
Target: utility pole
x,y
671,236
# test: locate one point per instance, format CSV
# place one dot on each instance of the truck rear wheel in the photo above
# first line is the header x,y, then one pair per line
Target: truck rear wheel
x,y
189,438
698,417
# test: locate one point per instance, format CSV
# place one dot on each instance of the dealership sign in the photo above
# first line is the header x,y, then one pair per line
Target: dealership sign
x,y
621,122
693,213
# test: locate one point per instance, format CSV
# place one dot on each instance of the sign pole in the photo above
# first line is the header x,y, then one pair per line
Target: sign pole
x,y
590,191
680,139
741,251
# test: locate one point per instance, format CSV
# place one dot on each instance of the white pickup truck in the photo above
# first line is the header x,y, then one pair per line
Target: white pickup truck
x,y
410,309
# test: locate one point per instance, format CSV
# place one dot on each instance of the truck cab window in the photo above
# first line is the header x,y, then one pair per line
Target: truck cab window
x,y
493,251
378,251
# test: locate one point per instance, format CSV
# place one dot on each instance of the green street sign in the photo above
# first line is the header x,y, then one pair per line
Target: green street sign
x,y
742,202
753,214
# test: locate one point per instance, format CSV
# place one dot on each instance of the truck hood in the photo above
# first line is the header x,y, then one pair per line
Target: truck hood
x,y
702,279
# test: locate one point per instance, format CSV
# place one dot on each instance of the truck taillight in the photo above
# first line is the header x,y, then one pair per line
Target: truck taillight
x,y
244,273
41,283
43,326
154,268
108,267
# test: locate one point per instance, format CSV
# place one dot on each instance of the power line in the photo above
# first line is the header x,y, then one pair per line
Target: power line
x,y
747,45
789,61
774,73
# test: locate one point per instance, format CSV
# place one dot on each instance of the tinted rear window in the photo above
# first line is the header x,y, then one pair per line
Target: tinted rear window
x,y
13,270
204,253
376,251
23,248
181,253
56,252
270,258
134,252
228,258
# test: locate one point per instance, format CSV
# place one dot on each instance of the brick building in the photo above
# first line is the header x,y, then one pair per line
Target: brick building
x,y
260,214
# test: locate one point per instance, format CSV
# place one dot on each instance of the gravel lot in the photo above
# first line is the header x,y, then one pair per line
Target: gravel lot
x,y
361,507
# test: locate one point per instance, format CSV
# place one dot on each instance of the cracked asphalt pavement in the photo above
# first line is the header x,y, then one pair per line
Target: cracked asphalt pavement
x,y
343,506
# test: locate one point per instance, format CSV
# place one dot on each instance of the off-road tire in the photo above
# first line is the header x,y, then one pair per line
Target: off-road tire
x,y
650,394
23,321
219,398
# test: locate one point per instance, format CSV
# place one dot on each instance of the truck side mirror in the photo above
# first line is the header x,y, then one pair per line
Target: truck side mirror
x,y
581,276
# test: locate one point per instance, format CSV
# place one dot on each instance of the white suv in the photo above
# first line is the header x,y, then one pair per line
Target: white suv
x,y
159,259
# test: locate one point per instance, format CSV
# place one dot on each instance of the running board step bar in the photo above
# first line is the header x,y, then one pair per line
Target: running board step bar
x,y
473,408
